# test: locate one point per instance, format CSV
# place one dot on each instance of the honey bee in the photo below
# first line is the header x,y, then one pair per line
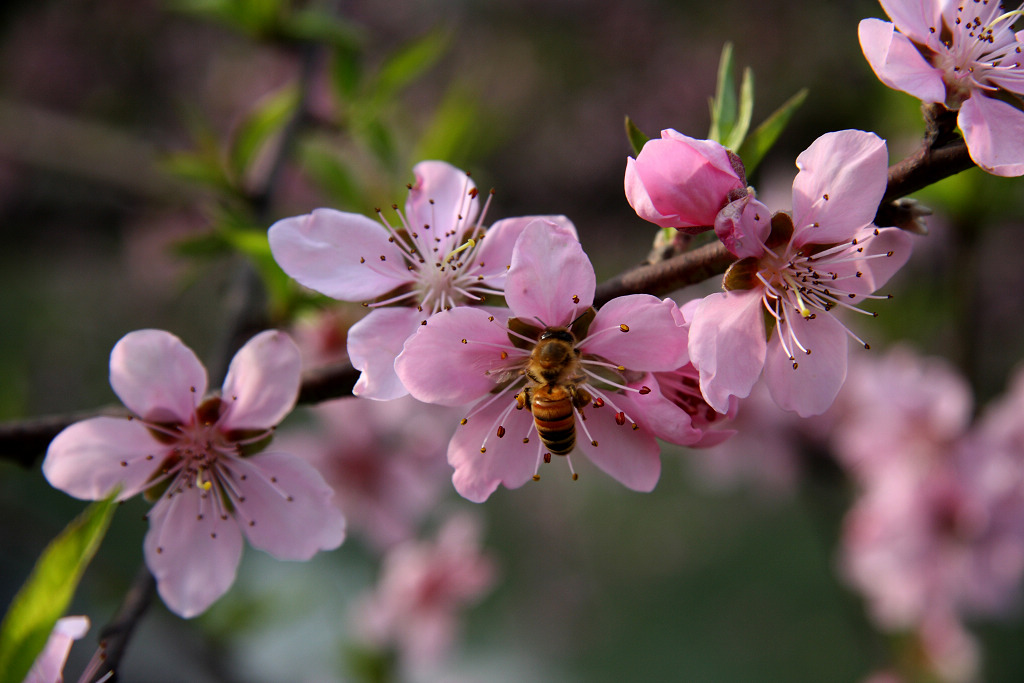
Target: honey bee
x,y
552,394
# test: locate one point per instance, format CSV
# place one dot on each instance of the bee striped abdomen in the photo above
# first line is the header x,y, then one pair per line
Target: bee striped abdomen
x,y
553,416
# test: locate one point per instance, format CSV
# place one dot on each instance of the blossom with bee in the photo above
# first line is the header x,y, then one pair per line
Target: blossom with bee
x,y
795,270
964,55
199,458
551,343
435,256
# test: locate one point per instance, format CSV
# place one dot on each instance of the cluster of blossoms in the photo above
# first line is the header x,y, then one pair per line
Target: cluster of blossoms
x,y
799,267
500,324
937,533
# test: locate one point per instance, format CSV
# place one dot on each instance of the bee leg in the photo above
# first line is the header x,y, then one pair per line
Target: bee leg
x,y
523,399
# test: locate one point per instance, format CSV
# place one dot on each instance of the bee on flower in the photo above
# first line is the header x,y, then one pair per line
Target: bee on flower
x,y
552,376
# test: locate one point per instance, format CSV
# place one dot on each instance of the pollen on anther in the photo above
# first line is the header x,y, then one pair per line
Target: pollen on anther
x,y
290,499
575,299
598,402
593,443
124,463
635,426
483,449
464,341
504,355
536,477
463,421
362,260
383,258
624,327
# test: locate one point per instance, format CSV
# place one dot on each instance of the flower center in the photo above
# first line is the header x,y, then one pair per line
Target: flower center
x,y
445,267
981,52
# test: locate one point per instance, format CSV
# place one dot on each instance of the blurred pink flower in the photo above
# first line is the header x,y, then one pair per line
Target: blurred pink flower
x,y
196,456
939,526
438,257
465,356
49,665
918,408
964,55
680,182
827,255
384,460
416,606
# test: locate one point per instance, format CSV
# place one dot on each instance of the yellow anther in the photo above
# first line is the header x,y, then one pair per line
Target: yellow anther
x,y
469,243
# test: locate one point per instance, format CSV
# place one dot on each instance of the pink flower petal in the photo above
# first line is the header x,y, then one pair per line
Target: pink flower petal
x,y
630,456
495,252
373,344
343,255
660,416
192,549
898,63
916,18
841,181
994,133
442,198
743,226
507,460
89,458
874,272
285,506
262,383
551,279
156,376
437,367
727,345
638,331
49,665
812,387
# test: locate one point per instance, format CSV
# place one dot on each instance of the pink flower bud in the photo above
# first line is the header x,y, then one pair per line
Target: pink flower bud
x,y
680,182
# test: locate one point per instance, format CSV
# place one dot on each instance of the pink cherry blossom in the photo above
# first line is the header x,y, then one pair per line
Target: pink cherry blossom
x,y
680,182
49,665
199,458
437,256
384,460
416,605
965,55
466,356
798,268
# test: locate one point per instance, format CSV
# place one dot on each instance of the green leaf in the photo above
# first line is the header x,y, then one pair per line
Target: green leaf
x,y
327,167
346,72
637,138
746,111
316,26
260,125
452,133
754,148
407,63
723,106
48,591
